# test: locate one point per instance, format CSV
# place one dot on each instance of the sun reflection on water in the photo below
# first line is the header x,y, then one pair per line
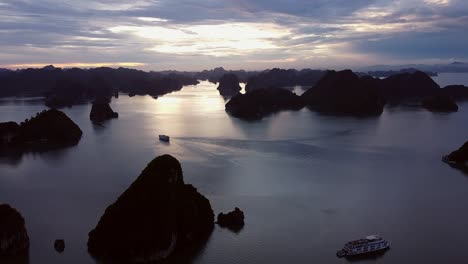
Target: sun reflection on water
x,y
201,98
194,111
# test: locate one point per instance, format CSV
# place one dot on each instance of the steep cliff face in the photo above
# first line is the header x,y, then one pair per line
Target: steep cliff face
x,y
14,238
156,216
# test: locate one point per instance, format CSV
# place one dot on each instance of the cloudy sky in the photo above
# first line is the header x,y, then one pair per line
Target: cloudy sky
x,y
248,34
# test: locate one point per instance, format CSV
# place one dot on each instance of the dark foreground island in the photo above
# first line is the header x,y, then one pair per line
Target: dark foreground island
x,y
157,216
14,239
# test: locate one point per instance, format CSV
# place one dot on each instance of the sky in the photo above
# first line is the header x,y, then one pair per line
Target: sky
x,y
234,34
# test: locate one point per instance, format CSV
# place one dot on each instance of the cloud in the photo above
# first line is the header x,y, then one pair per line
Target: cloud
x,y
189,34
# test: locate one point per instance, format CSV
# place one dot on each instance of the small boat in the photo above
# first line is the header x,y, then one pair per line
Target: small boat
x,y
164,138
365,245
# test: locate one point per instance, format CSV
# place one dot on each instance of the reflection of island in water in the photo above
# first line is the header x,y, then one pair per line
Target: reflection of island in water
x,y
14,156
48,130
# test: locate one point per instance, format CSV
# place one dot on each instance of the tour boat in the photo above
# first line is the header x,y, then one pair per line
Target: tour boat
x,y
363,246
164,138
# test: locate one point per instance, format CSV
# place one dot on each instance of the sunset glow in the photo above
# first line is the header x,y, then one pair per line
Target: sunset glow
x,y
74,64
189,35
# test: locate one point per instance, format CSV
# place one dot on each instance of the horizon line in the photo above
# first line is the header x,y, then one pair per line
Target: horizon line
x,y
136,65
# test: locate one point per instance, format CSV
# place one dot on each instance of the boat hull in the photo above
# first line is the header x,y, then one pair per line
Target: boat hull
x,y
368,252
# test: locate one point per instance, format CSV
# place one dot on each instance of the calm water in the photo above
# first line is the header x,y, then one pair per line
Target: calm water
x,y
307,183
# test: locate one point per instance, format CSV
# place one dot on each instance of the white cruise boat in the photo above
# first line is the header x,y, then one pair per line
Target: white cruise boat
x,y
363,246
164,138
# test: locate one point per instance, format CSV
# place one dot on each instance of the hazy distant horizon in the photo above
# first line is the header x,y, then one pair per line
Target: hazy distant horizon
x,y
238,34
87,66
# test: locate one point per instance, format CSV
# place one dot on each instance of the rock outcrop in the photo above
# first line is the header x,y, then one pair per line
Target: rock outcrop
x,y
229,85
14,240
233,220
101,111
440,103
155,217
49,128
344,93
259,103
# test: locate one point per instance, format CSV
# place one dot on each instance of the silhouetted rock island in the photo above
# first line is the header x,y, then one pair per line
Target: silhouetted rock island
x,y
259,103
233,220
408,87
59,245
440,103
14,239
102,111
49,128
344,93
155,217
229,85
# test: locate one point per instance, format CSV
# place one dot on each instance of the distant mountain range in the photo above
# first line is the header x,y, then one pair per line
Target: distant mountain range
x,y
439,68
66,87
